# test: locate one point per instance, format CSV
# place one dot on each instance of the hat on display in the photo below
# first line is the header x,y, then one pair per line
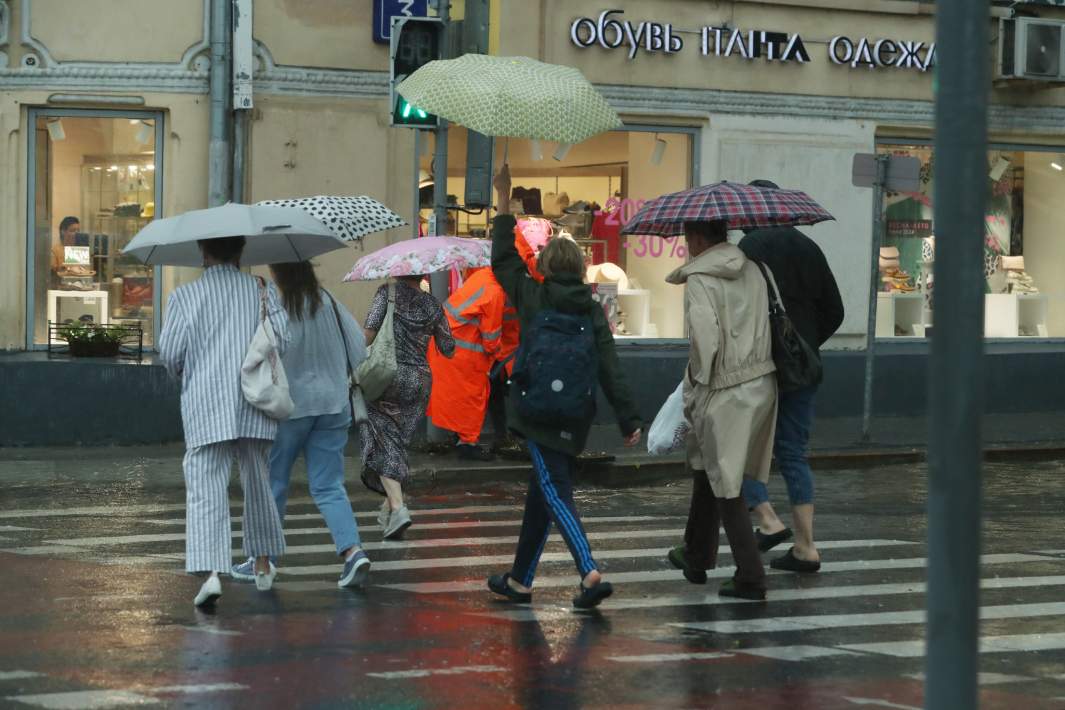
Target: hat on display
x,y
149,210
424,179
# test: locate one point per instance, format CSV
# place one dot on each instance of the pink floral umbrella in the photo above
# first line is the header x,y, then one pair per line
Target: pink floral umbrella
x,y
422,255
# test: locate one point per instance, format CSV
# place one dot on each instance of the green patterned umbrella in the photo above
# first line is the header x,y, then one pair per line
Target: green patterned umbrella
x,y
516,97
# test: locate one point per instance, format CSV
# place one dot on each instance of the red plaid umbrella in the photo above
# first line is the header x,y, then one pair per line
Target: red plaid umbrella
x,y
742,206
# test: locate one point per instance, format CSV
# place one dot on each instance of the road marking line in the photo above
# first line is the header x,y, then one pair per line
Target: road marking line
x,y
563,556
141,509
214,630
672,575
14,528
428,542
84,699
669,657
795,653
711,598
45,550
18,675
986,678
190,689
876,702
468,510
882,618
425,672
1020,643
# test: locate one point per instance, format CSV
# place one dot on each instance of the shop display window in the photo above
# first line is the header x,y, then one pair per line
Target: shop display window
x,y
589,195
94,189
1024,257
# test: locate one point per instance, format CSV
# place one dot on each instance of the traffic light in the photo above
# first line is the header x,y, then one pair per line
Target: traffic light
x,y
415,41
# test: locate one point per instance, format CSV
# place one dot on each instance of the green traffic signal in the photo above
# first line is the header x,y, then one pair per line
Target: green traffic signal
x,y
407,114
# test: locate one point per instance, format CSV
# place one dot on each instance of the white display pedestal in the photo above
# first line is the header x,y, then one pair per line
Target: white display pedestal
x,y
94,302
636,304
899,311
1001,315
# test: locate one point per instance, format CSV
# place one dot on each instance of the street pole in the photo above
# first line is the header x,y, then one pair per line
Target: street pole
x,y
955,367
874,283
219,152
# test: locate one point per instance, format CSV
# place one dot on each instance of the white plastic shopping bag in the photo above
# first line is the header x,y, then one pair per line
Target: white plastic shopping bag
x,y
669,429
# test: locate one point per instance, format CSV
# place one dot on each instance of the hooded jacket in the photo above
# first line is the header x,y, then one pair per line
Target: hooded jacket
x,y
730,391
566,293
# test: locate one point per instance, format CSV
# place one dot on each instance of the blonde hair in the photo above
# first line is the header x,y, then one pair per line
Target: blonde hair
x,y
560,256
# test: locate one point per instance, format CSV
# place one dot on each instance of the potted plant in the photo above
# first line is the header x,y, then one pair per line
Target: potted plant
x,y
91,340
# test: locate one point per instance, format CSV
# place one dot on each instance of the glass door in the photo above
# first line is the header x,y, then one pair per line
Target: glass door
x,y
95,182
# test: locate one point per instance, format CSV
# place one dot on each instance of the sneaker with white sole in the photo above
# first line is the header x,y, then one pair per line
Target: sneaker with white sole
x,y
209,593
383,514
356,571
398,522
264,581
245,571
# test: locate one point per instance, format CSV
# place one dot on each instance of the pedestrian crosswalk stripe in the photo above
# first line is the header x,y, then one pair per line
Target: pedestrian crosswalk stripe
x,y
795,653
986,678
1019,643
18,675
876,702
425,672
711,598
481,560
84,699
882,618
106,540
673,575
669,657
418,512
196,689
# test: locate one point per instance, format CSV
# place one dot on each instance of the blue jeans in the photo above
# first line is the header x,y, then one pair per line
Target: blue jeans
x,y
795,414
321,440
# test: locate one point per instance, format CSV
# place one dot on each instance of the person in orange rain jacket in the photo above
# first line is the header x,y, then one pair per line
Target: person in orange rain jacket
x,y
485,327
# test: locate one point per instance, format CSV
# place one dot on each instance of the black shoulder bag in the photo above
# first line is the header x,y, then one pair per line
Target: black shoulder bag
x,y
798,364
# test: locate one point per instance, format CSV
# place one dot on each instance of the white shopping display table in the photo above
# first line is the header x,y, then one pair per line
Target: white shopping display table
x,y
95,301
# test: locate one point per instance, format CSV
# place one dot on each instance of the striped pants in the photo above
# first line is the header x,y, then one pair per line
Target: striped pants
x,y
550,500
208,536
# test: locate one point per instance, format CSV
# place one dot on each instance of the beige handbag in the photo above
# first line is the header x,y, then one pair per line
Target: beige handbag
x,y
374,375
262,376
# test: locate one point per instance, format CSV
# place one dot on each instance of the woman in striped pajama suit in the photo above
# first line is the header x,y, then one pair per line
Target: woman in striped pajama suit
x,y
209,325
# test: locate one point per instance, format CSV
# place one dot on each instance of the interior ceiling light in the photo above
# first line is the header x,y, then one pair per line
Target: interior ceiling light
x,y
1056,165
658,151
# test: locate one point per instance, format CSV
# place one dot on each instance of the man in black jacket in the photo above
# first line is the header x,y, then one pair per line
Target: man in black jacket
x,y
812,300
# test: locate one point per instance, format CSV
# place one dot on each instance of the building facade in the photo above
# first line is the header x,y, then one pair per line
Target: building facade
x,y
105,111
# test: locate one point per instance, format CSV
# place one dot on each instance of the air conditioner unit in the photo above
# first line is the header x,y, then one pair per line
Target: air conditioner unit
x,y
1031,48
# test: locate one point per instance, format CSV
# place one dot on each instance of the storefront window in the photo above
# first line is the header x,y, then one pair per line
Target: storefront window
x,y
589,195
1022,249
94,188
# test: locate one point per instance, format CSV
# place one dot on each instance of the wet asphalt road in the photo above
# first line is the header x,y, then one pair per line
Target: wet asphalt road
x,y
95,612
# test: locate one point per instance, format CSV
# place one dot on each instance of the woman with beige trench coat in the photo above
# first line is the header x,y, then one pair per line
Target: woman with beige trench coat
x,y
730,403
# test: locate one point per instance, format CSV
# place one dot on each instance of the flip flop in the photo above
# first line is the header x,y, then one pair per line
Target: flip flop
x,y
790,563
498,583
591,596
768,542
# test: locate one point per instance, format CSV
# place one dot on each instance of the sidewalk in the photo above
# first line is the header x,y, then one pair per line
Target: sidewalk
x,y
835,445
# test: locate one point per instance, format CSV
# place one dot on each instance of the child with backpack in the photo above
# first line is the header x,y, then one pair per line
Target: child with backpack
x,y
566,353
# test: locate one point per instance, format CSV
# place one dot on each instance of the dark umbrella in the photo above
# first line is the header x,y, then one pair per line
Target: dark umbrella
x,y
742,206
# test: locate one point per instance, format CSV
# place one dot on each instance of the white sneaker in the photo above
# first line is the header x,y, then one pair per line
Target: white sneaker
x,y
210,592
383,514
398,522
264,581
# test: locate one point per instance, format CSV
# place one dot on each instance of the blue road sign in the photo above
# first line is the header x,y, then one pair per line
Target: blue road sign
x,y
385,10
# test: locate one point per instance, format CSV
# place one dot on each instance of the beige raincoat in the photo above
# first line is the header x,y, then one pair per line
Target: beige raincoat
x,y
730,391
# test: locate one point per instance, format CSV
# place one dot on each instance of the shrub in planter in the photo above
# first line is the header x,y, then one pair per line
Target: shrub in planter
x,y
90,340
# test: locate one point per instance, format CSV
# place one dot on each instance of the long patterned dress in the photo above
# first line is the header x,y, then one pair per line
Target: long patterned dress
x,y
394,417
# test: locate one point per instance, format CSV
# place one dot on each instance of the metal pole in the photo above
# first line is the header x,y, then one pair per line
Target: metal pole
x,y
219,155
438,283
240,153
955,367
874,288
417,210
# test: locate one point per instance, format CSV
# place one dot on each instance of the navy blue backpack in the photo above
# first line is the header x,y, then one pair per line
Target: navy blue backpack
x,y
556,372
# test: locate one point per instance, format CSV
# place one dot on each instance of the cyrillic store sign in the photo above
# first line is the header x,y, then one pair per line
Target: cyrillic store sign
x,y
610,31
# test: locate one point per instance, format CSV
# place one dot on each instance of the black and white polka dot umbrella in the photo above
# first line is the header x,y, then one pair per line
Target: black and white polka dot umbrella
x,y
349,218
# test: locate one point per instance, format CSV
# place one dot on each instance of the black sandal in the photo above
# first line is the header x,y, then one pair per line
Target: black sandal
x,y
790,563
768,542
500,584
590,597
